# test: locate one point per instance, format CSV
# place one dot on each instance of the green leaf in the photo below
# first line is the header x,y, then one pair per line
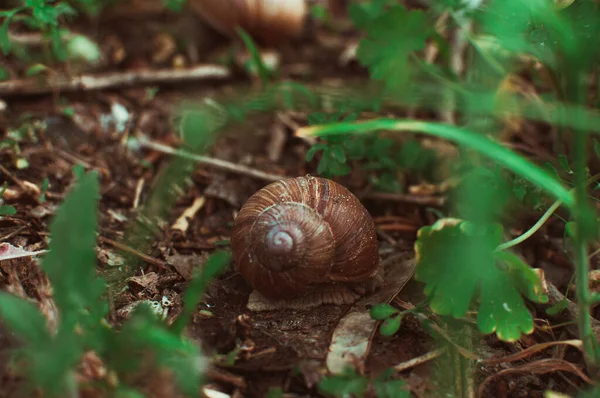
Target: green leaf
x,y
390,40
275,392
570,229
44,189
523,277
263,72
24,319
312,151
71,261
349,382
382,311
391,389
338,153
362,14
82,48
458,263
144,332
597,148
564,163
7,210
550,167
390,326
4,75
558,307
35,69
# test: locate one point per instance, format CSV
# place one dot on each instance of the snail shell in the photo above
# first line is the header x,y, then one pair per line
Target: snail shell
x,y
299,233
269,21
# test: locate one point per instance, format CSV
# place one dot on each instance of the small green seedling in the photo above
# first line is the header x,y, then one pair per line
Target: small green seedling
x,y
6,210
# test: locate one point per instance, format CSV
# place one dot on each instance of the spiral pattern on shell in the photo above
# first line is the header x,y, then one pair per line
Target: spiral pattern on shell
x,y
298,233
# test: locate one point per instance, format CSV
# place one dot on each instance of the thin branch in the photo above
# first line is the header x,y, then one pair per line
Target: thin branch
x,y
216,163
89,82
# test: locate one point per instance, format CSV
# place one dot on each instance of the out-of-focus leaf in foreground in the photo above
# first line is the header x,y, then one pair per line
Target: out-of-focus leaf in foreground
x,y
455,280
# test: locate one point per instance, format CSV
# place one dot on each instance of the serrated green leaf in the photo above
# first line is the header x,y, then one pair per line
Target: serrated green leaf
x,y
363,14
457,262
71,261
312,151
523,277
24,319
338,153
390,326
382,311
390,40
525,27
316,118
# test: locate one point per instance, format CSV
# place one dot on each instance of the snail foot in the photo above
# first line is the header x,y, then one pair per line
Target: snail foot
x,y
370,285
330,294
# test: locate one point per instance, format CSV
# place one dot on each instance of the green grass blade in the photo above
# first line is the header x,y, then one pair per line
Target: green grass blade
x,y
493,150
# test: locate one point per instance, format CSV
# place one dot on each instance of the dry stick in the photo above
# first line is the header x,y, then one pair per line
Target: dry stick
x,y
432,201
419,360
88,82
216,163
248,171
128,249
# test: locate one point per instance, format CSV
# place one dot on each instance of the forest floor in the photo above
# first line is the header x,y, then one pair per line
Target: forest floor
x,y
251,353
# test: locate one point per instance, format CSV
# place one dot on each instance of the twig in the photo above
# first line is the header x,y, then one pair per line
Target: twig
x,y
138,192
419,360
89,82
182,223
218,374
432,201
216,163
13,233
128,249
235,168
542,366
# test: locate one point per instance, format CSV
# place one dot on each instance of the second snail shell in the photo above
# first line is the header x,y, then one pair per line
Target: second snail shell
x,y
269,21
300,233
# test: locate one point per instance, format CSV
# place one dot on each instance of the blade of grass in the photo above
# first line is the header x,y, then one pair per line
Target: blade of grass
x,y
493,150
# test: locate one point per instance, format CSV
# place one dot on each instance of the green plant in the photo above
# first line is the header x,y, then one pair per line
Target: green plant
x,y
6,210
383,158
499,277
351,384
48,18
48,358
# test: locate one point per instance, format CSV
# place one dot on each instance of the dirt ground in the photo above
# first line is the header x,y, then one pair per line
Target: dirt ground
x,y
283,349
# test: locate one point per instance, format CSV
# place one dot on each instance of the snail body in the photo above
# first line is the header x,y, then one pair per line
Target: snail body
x,y
269,21
298,234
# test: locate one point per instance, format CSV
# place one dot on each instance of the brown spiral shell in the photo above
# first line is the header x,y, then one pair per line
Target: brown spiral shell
x,y
269,21
298,233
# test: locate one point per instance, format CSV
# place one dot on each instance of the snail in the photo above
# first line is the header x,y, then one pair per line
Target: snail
x,y
268,21
306,240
